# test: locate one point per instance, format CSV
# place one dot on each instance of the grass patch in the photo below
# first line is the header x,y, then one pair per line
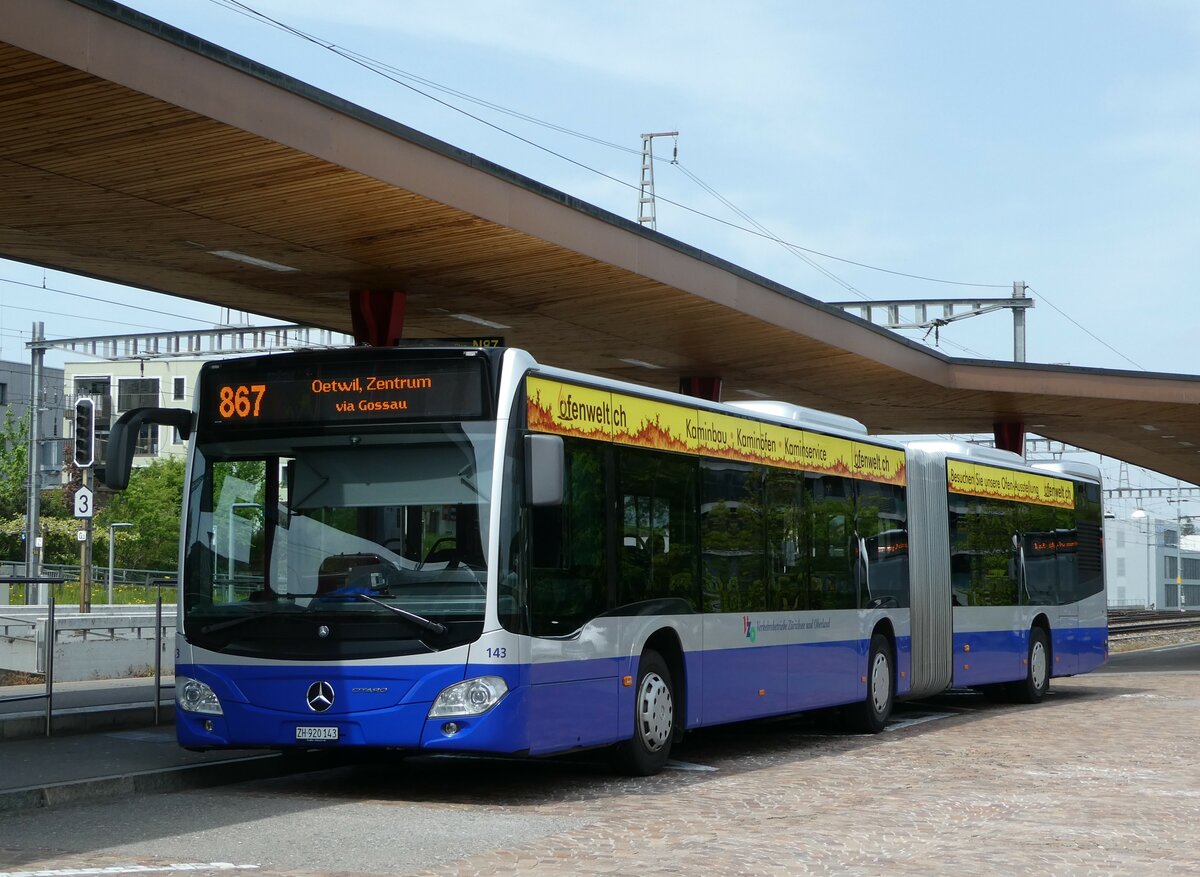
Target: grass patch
x,y
14,677
123,595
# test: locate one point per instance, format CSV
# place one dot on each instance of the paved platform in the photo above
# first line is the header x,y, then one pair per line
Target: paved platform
x,y
1101,779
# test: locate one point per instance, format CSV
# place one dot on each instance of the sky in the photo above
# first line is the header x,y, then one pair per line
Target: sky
x,y
928,149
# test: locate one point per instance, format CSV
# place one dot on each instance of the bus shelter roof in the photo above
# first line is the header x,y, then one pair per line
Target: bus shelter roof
x,y
137,153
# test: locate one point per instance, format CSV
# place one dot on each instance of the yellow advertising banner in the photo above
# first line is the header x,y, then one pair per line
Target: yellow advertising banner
x,y
585,412
567,409
992,482
875,463
650,425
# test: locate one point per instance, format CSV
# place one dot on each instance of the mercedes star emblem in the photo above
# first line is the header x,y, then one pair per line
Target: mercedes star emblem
x,y
320,696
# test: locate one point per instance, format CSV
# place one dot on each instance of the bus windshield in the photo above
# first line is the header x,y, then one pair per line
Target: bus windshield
x,y
339,546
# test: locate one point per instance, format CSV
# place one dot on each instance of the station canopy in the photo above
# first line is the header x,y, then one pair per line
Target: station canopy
x,y
137,153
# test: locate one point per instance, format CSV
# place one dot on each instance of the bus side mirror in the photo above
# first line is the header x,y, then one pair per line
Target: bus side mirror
x,y
544,467
122,439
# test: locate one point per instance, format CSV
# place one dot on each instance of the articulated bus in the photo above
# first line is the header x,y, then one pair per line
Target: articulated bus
x,y
465,551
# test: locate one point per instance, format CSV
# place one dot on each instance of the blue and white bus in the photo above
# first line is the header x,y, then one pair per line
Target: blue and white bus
x,y
465,551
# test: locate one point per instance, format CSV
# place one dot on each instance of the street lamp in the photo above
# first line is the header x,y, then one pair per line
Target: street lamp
x,y
112,556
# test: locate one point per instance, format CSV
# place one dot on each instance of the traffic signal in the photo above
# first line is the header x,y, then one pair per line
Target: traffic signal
x,y
85,432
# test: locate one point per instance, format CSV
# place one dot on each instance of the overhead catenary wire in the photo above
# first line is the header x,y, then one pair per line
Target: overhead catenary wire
x,y
1091,334
398,76
799,254
99,299
845,284
91,319
758,228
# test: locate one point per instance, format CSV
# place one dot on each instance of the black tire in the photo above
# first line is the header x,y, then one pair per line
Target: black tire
x,y
872,714
1037,672
645,753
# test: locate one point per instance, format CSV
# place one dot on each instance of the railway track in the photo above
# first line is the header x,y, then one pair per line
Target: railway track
x,y
1123,622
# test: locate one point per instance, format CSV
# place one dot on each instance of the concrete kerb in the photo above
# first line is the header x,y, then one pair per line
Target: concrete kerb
x,y
255,767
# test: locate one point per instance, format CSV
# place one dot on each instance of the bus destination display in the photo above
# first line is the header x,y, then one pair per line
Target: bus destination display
x,y
332,393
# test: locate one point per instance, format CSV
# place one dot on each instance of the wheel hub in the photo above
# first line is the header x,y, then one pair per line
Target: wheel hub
x,y
1037,664
656,712
881,683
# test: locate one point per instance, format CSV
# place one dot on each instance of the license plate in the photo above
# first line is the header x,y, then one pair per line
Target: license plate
x,y
316,733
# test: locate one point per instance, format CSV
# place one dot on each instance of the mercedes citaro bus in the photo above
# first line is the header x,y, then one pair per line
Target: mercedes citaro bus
x,y
465,551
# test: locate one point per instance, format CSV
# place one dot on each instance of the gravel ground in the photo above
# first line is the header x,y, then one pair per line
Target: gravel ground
x,y
1156,639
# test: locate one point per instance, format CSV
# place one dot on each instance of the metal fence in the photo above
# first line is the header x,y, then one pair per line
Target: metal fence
x,y
50,640
121,576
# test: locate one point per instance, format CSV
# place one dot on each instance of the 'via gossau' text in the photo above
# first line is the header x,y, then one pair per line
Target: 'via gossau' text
x,y
371,384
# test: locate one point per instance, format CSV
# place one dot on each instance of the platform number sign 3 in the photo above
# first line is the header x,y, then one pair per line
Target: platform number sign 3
x,y
84,499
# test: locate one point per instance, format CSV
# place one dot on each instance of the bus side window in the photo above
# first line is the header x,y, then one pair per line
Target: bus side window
x,y
733,537
568,573
883,524
787,541
981,539
830,501
658,557
1089,531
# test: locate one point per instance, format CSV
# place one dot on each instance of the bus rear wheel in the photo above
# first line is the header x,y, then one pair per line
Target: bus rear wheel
x,y
871,715
647,751
1037,674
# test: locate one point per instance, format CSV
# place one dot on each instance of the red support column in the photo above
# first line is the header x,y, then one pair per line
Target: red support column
x,y
701,388
377,316
1010,436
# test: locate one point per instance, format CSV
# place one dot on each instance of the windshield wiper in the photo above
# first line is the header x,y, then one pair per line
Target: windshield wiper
x,y
418,620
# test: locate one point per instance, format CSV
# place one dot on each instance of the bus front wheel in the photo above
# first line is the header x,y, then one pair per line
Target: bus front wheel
x,y
647,750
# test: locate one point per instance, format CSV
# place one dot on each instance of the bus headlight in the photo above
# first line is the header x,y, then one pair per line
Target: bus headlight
x,y
193,696
471,698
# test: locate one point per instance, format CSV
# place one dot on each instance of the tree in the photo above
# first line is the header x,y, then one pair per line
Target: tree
x,y
151,503
57,524
14,464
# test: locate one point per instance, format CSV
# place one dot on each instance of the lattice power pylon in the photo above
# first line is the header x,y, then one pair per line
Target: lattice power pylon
x,y
646,213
